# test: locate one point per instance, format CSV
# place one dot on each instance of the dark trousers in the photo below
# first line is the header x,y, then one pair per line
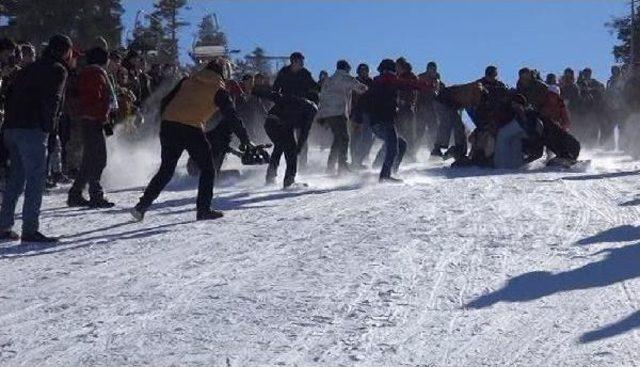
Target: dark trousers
x,y
394,147
451,122
284,142
427,123
175,138
361,141
561,143
219,140
340,145
406,128
94,160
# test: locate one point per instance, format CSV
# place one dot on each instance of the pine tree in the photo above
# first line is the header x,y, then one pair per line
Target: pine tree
x,y
83,20
621,26
150,37
169,12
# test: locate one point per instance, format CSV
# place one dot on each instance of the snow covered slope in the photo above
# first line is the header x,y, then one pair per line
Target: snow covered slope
x,y
453,268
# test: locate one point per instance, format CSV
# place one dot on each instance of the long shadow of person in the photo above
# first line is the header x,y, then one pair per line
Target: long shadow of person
x,y
624,233
617,328
619,265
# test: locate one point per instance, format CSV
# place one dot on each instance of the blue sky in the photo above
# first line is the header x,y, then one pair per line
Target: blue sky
x,y
462,36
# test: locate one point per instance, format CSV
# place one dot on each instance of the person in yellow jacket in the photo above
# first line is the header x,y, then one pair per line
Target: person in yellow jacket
x,y
184,112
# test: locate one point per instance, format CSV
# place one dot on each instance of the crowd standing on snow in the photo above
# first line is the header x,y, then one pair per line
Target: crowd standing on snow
x,y
57,110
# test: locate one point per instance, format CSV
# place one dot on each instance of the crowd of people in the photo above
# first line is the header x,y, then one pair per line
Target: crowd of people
x,y
58,108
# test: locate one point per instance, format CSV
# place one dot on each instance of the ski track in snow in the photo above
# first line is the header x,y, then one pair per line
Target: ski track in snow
x,y
464,267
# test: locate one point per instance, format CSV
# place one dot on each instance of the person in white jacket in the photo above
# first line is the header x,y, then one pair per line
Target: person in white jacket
x,y
333,111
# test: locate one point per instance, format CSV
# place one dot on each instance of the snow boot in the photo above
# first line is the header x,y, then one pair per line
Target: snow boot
x,y
38,237
60,178
77,201
50,183
138,212
209,215
9,236
436,153
100,203
390,180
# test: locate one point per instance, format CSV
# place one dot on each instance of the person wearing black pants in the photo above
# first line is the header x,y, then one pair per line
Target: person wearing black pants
x,y
287,125
284,142
382,108
185,110
175,138
340,145
95,93
94,161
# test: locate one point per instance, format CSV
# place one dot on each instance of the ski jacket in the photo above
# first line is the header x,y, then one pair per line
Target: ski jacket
x,y
382,97
35,99
336,93
298,84
359,101
535,92
193,101
407,98
95,93
555,110
425,98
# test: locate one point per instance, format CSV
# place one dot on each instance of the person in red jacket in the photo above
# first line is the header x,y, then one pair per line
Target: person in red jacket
x,y
555,110
96,95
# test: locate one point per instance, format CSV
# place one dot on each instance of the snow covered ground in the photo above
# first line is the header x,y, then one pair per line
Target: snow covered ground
x,y
453,268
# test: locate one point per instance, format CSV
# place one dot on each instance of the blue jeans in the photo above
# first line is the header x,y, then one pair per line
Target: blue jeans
x,y
508,151
394,146
28,154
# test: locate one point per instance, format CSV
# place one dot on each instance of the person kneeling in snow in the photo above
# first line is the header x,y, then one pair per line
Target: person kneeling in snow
x,y
525,126
184,111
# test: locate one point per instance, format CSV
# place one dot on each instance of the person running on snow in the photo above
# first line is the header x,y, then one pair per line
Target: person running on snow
x,y
184,112
407,101
295,80
289,115
333,110
382,99
428,111
361,134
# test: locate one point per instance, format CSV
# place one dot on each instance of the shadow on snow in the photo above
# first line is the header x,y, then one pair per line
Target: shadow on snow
x,y
619,265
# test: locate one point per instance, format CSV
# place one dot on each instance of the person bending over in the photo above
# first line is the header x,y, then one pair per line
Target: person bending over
x,y
184,112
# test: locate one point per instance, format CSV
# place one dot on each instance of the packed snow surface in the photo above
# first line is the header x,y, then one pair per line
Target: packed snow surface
x,y
455,267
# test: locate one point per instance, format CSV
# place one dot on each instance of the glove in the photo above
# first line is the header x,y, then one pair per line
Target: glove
x,y
108,129
246,146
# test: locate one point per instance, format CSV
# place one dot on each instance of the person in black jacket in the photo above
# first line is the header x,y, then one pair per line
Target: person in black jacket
x,y
382,107
295,80
288,115
33,108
